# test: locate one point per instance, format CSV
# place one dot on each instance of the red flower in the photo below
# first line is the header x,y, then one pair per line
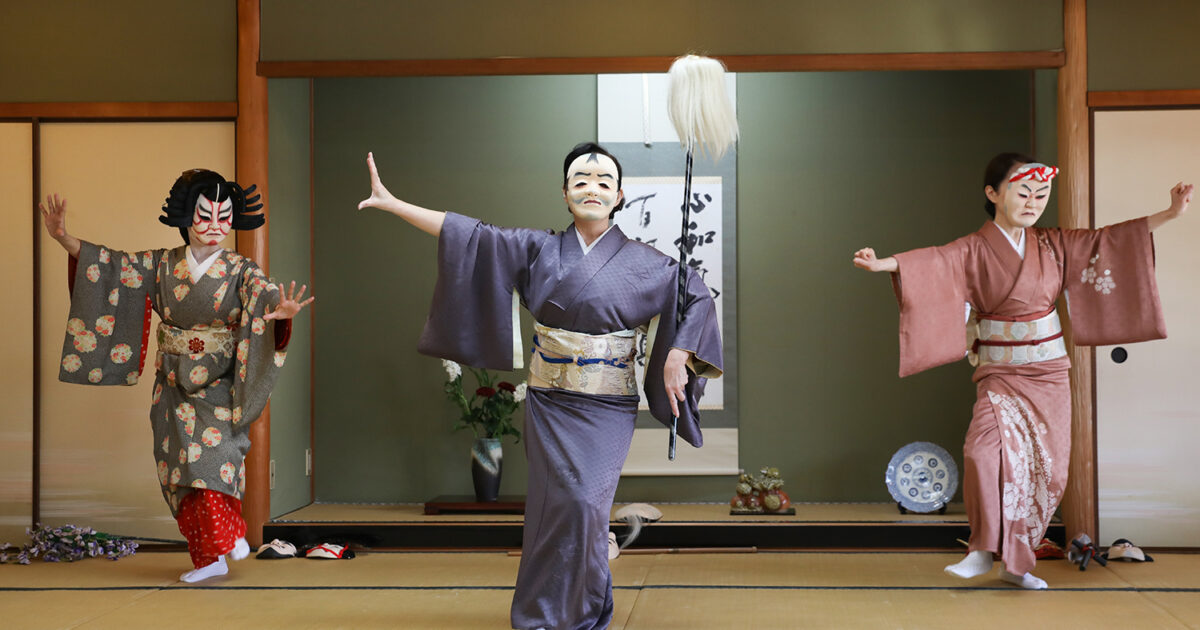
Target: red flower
x,y
508,387
486,392
196,345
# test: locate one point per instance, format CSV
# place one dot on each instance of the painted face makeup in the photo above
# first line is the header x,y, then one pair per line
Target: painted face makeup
x,y
592,190
211,221
1023,198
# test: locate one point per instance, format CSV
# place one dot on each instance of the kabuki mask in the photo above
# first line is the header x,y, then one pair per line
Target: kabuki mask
x,y
205,207
212,218
592,186
1022,199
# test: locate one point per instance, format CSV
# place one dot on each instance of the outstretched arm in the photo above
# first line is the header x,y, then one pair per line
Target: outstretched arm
x,y
1181,196
865,259
422,218
54,213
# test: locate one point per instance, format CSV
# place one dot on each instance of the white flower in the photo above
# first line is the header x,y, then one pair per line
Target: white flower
x,y
453,370
519,394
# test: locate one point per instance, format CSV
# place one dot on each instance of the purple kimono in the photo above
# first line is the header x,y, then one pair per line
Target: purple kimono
x,y
576,443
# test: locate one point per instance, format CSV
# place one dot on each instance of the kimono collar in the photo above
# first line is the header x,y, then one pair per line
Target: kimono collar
x,y
575,269
1026,274
588,247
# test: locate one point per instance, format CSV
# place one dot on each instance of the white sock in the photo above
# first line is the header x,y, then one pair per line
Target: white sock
x,y
1029,580
241,549
203,573
975,564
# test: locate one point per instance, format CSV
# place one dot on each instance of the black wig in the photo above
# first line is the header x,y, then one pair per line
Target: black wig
x,y
181,202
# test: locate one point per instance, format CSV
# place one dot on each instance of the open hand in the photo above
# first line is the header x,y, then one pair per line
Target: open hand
x,y
289,303
54,213
380,197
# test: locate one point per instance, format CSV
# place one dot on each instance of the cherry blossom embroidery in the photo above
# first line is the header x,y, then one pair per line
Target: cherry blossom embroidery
x,y
258,326
1102,282
85,341
211,437
166,448
1028,500
227,472
120,353
103,256
181,291
105,325
114,296
95,375
219,296
157,393
75,326
72,363
216,270
131,378
162,473
199,483
181,270
198,375
222,413
93,273
176,476
193,452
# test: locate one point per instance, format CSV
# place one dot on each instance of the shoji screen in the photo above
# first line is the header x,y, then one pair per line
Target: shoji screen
x,y
1148,414
97,467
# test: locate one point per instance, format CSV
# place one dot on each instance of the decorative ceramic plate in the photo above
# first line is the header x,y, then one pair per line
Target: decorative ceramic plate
x,y
922,477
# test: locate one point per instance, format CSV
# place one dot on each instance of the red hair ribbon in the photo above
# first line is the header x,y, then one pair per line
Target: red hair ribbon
x,y
1036,172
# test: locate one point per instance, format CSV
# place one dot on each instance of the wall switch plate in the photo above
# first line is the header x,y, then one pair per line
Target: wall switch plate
x,y
272,474
308,462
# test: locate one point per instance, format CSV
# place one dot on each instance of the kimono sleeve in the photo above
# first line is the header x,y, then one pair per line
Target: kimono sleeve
x,y
699,334
931,288
258,361
1112,295
109,320
472,319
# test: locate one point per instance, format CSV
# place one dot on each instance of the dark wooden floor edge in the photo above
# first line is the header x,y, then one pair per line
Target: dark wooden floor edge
x,y
497,536
616,587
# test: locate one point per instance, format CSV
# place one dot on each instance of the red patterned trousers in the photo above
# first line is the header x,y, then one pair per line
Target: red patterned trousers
x,y
212,522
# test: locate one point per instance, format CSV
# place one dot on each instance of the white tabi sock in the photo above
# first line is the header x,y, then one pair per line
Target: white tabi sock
x,y
1029,580
203,573
241,549
975,564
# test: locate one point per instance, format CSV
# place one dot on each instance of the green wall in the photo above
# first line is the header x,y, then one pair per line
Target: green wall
x,y
118,50
488,147
290,253
828,162
1143,45
454,29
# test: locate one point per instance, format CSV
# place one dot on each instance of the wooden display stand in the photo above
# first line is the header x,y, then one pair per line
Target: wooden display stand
x,y
466,504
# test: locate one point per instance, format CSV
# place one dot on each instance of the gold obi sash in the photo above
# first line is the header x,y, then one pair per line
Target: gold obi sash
x,y
1016,342
579,362
172,340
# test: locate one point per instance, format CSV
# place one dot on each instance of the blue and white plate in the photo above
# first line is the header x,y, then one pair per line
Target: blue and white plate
x,y
922,477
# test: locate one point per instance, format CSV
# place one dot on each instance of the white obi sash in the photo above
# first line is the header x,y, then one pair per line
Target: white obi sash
x,y
1015,341
579,362
172,340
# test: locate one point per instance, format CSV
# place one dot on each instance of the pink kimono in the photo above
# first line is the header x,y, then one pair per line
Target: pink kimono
x,y
1019,442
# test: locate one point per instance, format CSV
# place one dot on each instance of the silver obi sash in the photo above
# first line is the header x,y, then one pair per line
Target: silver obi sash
x,y
172,340
579,362
999,340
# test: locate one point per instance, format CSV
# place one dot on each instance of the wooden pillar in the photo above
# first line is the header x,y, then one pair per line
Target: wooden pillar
x,y
251,151
1074,211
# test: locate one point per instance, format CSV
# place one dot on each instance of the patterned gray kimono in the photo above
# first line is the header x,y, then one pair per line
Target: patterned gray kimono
x,y
575,443
217,381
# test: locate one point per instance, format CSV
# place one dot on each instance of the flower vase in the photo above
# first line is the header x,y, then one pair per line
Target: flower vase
x,y
487,461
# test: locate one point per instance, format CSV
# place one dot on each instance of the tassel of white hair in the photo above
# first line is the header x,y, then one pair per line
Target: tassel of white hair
x,y
699,106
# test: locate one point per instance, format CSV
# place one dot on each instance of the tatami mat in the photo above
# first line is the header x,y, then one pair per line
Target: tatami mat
x,y
473,590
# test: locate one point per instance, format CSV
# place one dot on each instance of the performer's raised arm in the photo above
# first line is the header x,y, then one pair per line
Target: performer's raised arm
x,y
423,219
54,213
1181,197
865,259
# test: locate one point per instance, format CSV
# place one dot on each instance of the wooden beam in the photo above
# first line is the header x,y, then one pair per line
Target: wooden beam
x,y
120,111
1144,98
1037,59
251,151
1074,211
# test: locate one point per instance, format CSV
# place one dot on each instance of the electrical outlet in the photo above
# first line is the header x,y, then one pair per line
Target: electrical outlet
x,y
272,474
308,462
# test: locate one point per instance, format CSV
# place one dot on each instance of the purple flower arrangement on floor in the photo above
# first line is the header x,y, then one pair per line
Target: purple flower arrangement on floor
x,y
67,544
